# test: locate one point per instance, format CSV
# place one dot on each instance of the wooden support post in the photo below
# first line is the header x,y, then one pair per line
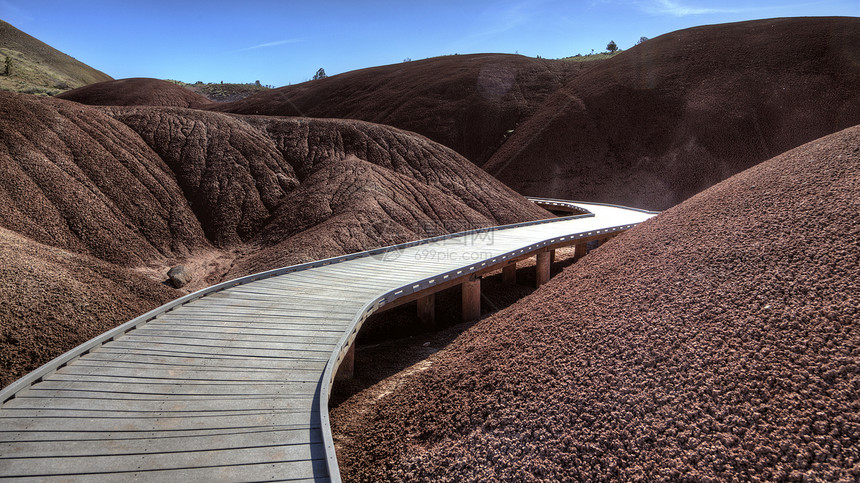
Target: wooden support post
x,y
551,257
542,268
580,250
471,299
427,310
346,369
509,274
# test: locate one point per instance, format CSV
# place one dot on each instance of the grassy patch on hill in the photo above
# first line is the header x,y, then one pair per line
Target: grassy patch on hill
x,y
591,57
223,92
31,76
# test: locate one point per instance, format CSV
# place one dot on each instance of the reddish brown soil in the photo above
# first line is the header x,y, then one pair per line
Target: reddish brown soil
x,y
53,300
136,92
76,179
150,187
718,341
668,118
466,102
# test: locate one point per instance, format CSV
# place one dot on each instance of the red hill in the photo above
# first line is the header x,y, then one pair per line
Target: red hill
x,y
656,124
136,92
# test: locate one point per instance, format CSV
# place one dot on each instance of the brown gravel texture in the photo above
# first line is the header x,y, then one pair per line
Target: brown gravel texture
x,y
143,189
719,341
53,300
136,92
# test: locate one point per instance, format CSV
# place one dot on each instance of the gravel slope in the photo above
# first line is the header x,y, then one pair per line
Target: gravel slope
x,y
720,340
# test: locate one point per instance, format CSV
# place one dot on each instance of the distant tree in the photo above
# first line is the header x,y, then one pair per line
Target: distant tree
x,y
257,83
642,40
320,74
408,59
611,46
7,68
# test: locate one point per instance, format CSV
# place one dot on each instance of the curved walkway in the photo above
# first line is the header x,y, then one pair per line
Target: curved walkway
x,y
232,382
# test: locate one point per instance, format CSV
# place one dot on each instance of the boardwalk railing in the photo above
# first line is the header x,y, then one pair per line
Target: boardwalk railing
x,y
158,377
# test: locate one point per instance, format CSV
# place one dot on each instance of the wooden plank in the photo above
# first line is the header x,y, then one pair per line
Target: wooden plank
x,y
252,293
260,320
215,462
182,388
276,326
108,356
238,311
150,373
51,420
215,354
145,406
222,351
224,346
313,284
237,331
122,435
95,394
129,443
307,338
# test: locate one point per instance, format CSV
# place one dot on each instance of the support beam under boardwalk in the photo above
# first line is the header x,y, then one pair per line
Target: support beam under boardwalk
x,y
580,250
471,299
347,366
542,267
509,274
427,310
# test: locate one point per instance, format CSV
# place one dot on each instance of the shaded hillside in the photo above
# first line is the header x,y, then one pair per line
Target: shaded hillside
x,y
53,300
718,341
38,68
76,179
659,122
466,102
136,92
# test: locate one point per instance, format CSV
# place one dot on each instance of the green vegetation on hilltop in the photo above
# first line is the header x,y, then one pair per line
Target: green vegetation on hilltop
x,y
223,92
591,57
33,67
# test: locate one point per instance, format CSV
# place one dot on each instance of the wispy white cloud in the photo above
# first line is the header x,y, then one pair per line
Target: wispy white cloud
x,y
670,7
11,12
272,44
500,19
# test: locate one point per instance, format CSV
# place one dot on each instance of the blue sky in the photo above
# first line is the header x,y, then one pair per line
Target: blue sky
x,y
283,42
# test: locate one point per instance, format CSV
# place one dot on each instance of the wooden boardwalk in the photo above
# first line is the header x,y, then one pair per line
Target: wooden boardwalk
x,y
232,382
